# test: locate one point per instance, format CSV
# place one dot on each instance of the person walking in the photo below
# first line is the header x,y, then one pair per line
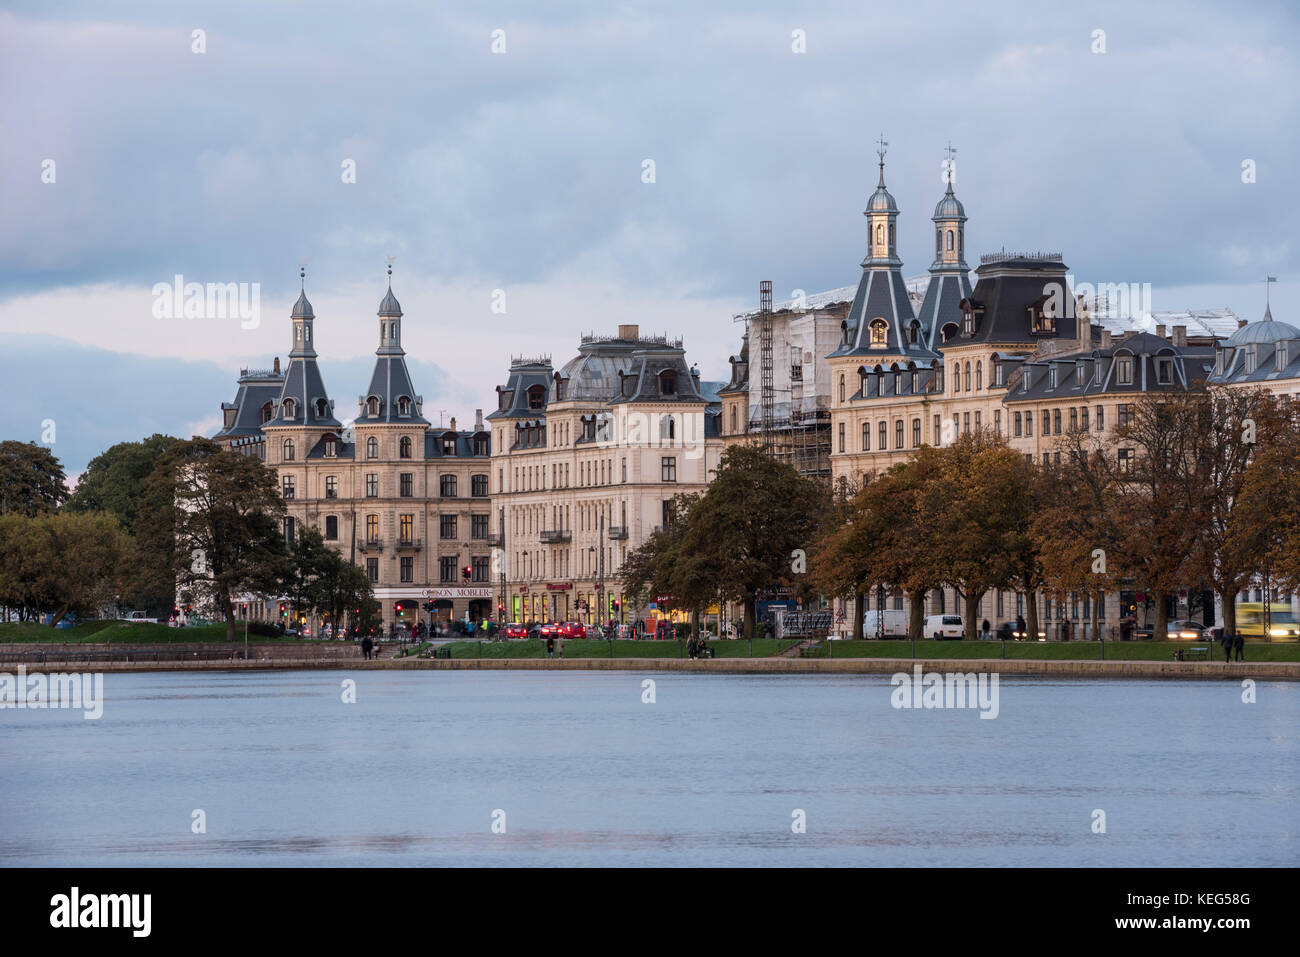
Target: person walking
x,y
560,644
550,646
985,629
1226,640
1239,645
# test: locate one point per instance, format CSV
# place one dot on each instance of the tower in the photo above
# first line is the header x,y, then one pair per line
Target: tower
x,y
940,313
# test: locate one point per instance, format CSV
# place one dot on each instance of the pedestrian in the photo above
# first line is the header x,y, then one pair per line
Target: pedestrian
x,y
560,644
1226,640
550,646
1239,645
985,628
1020,626
366,645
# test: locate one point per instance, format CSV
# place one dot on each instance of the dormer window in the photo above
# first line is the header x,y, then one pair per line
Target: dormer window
x,y
1252,357
1042,316
1218,362
1051,376
331,447
1078,373
288,408
997,373
1280,355
536,397
914,333
267,412
916,382
1164,371
372,406
403,406
879,330
668,382
449,444
1124,370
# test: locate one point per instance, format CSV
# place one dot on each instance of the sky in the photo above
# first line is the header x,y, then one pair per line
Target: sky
x,y
498,154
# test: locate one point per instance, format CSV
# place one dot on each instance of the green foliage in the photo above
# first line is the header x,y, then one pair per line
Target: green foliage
x,y
61,562
31,479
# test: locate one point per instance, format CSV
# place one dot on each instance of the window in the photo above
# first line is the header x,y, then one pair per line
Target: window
x,y
668,469
879,333
977,420
1125,460
866,436
447,486
1083,418
1029,424
966,422
372,485
997,374
372,569
331,447
404,447
1051,376
288,408
997,421
1047,423
331,528
403,406
288,450
668,382
1043,317
1124,370
1016,424
286,486
1056,421
966,381
841,387
898,433
479,568
1101,418
478,486
372,406
733,420
372,448
950,240
331,486
447,527
406,568
883,433
934,437
449,444
1164,371
405,484
1074,420
447,569
478,526
537,397
1251,358
1124,414
624,469
916,433
406,529
667,427
979,376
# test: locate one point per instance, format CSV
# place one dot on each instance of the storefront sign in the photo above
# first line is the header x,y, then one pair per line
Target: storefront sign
x,y
436,593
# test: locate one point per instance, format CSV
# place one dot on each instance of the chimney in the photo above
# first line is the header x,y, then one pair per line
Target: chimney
x,y
1241,323
453,423
1106,342
478,420
1160,330
629,332
1180,337
277,365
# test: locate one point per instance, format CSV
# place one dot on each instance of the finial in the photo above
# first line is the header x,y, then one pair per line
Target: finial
x,y
949,168
389,260
1268,309
302,277
880,151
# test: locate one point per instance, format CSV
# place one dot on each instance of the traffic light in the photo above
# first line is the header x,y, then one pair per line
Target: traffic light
x,y
284,610
401,611
466,572
176,612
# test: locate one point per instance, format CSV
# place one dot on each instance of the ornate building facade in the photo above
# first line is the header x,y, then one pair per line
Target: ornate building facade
x,y
407,501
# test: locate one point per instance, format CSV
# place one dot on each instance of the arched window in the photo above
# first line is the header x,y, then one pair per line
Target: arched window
x,y
322,408
372,448
880,235
372,406
967,378
668,382
914,332
733,419
841,387
891,235
879,332
979,376
404,447
938,241
667,427
956,377
866,436
403,406
288,450
267,412
950,240
288,408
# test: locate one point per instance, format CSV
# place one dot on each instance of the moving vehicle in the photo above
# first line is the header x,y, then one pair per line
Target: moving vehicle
x,y
516,630
140,618
549,630
940,627
1281,624
895,624
573,629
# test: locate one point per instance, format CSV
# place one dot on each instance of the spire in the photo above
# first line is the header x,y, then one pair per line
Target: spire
x,y
881,149
304,402
1268,309
949,168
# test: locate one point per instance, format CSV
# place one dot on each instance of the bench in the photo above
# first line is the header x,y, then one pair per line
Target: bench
x,y
442,652
1194,653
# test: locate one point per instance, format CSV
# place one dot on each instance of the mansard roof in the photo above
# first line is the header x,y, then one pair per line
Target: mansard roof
x,y
1190,368
525,375
942,306
389,383
257,388
1009,286
882,295
305,386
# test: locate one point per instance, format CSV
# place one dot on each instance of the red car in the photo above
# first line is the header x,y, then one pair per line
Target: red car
x,y
549,630
516,630
573,629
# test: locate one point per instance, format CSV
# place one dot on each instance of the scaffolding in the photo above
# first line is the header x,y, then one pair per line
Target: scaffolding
x,y
767,402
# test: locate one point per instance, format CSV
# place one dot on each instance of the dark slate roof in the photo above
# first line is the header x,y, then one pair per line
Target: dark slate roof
x,y
303,384
1008,286
882,294
641,383
1231,356
1191,365
942,305
889,380
464,443
256,389
389,306
302,308
390,382
739,381
512,398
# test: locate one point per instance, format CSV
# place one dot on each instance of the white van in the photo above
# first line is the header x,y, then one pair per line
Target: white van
x,y
940,627
895,624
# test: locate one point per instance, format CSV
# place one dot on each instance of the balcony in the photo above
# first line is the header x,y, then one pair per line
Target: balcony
x,y
410,544
496,539
370,546
555,537
617,533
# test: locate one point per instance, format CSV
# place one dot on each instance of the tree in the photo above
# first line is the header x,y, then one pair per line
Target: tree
x,y
31,479
661,566
1266,520
115,480
60,562
749,522
214,524
320,580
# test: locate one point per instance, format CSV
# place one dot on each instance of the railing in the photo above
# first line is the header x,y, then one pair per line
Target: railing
x,y
414,543
496,539
370,546
555,537
617,533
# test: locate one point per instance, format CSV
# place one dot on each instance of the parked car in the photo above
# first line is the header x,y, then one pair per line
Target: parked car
x,y
140,618
573,629
549,630
940,627
1182,629
516,630
895,624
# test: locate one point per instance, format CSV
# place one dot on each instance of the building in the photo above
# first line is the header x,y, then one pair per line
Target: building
x,y
1260,355
585,459
407,501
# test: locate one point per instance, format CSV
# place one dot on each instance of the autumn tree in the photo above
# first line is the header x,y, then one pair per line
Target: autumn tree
x,y
31,479
60,562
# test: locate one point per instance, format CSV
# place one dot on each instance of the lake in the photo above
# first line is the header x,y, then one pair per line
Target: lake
x,y
417,770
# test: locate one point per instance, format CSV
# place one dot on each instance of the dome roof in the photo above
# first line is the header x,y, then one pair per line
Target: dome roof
x,y
1266,330
390,305
881,202
949,207
302,308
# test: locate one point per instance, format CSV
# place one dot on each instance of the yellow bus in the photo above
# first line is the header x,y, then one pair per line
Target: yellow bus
x,y
1282,623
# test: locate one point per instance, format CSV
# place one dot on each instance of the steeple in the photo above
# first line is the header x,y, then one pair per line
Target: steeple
x,y
882,214
303,401
949,224
940,313
391,397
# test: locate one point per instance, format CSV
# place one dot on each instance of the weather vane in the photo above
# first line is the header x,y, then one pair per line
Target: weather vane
x,y
881,150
